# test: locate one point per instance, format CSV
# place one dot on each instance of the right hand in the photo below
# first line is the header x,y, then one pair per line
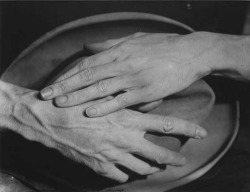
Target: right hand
x,y
138,69
104,142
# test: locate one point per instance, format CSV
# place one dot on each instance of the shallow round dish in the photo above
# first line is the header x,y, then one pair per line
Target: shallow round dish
x,y
56,50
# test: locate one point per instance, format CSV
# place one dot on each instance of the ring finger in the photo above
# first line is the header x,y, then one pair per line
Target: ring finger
x,y
158,154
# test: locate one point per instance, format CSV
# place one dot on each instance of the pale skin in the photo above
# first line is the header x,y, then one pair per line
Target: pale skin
x,y
99,143
147,68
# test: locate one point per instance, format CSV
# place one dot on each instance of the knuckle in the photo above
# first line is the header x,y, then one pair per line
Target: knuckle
x,y
83,64
62,86
161,157
64,77
199,133
168,124
122,100
101,170
86,75
102,86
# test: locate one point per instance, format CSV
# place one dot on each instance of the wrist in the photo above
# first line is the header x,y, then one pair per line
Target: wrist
x,y
232,57
7,101
16,106
202,47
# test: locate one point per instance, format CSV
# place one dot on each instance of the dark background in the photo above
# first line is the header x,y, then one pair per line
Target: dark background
x,y
23,22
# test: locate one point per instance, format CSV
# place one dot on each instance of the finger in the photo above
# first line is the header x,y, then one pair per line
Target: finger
x,y
79,80
98,90
101,46
94,60
81,108
149,106
136,165
119,102
114,173
157,154
170,125
105,55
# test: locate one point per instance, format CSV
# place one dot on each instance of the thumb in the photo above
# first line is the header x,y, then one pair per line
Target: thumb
x,y
94,48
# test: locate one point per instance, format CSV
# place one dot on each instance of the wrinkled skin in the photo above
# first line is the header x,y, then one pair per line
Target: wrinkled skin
x,y
146,67
100,143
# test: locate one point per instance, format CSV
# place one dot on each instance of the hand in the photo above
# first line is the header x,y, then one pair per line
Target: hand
x,y
146,67
99,143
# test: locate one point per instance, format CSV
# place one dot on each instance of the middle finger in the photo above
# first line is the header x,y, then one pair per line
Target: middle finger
x,y
98,90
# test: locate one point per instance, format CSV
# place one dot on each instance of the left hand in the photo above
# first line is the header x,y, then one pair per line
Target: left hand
x,y
147,67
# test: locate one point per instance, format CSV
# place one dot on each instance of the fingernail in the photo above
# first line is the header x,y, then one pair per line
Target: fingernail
x,y
62,99
201,133
179,162
45,93
91,111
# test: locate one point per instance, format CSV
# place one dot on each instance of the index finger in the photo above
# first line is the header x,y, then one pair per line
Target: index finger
x,y
104,57
101,46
